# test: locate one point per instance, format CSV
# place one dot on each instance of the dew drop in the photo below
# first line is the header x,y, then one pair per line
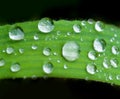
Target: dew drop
x,y
99,26
2,62
9,50
15,67
48,68
118,77
45,25
106,63
92,55
77,28
58,32
99,45
115,50
65,66
91,68
83,23
47,51
16,33
90,21
68,33
71,51
114,62
36,37
34,47
21,50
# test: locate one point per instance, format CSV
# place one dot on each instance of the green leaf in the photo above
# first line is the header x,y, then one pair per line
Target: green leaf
x,y
77,49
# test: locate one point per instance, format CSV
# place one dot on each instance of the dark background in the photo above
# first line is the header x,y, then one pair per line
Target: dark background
x,y
12,11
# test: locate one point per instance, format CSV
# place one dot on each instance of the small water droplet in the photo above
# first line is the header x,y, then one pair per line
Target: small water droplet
x,y
106,63
91,68
68,33
45,25
21,50
115,35
115,50
114,62
47,51
58,32
58,61
118,77
34,47
2,62
83,23
16,33
55,54
99,45
90,21
110,77
9,50
92,55
65,66
77,28
15,67
48,68
71,51
36,37
99,26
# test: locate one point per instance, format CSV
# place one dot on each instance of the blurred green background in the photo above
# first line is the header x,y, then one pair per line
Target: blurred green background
x,y
12,11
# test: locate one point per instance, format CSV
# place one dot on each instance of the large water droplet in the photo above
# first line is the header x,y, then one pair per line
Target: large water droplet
x,y
71,51
45,25
99,26
46,51
114,62
77,28
36,37
9,50
92,55
48,68
16,33
91,68
15,67
99,45
2,62
115,50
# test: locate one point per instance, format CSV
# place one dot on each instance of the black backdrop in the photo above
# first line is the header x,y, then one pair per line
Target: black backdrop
x,y
12,11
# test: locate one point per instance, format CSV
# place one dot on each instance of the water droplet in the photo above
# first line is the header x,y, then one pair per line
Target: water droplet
x,y
71,51
110,77
15,67
90,21
68,33
9,50
16,33
58,32
92,55
106,63
99,26
58,61
34,47
118,77
45,25
21,50
83,23
114,62
48,68
65,66
77,28
46,51
91,68
115,50
99,45
2,62
36,37
55,53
